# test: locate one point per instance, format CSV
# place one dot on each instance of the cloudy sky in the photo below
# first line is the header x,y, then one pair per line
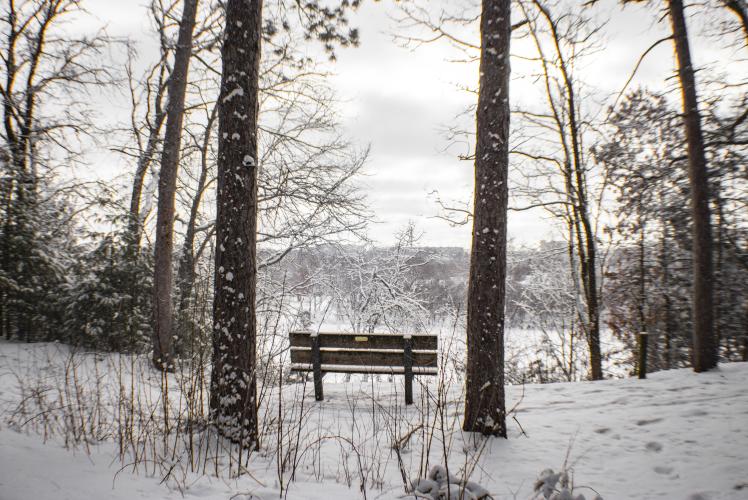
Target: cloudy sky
x,y
400,100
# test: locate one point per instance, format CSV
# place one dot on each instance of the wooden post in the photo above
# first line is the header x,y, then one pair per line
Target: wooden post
x,y
408,354
643,354
317,367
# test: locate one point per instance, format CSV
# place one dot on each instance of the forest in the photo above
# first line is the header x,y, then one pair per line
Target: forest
x,y
188,186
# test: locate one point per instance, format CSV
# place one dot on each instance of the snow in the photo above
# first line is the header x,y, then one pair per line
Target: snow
x,y
33,470
675,435
237,92
418,370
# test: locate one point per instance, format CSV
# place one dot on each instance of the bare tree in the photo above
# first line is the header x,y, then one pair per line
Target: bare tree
x,y
163,313
484,401
375,288
564,122
147,91
186,271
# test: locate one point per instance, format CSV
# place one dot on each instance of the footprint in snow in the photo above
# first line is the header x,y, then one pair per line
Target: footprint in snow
x,y
648,421
695,413
661,469
653,446
602,430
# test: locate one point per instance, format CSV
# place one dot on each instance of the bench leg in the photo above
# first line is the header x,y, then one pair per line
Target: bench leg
x,y
318,395
408,351
317,367
408,389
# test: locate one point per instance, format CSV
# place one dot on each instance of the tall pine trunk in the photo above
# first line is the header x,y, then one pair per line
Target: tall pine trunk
x,y
233,399
163,310
484,403
704,350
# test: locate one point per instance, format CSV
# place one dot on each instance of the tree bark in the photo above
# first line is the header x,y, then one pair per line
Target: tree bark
x,y
669,327
641,305
484,402
745,336
704,349
167,184
233,401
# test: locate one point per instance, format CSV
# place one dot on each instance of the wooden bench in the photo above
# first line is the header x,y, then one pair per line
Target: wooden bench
x,y
378,353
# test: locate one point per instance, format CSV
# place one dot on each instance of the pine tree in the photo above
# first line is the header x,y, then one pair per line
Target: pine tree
x,y
233,400
484,402
704,343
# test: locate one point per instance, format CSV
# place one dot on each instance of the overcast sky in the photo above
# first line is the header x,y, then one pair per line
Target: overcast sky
x,y
399,102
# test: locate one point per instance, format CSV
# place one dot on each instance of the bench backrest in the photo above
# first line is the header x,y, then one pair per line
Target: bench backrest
x,y
364,353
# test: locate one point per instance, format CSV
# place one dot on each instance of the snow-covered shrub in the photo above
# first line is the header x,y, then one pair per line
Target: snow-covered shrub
x,y
557,486
440,485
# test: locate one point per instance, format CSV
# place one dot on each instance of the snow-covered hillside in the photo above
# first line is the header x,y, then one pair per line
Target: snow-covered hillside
x,y
677,435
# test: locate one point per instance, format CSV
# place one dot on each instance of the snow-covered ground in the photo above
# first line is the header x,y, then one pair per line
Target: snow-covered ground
x,y
676,435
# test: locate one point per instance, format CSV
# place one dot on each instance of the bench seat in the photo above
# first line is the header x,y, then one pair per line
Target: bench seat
x,y
378,353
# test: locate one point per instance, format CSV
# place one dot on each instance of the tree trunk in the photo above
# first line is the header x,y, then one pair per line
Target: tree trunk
x,y
167,184
704,349
642,302
719,294
484,401
745,335
591,296
669,327
233,400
